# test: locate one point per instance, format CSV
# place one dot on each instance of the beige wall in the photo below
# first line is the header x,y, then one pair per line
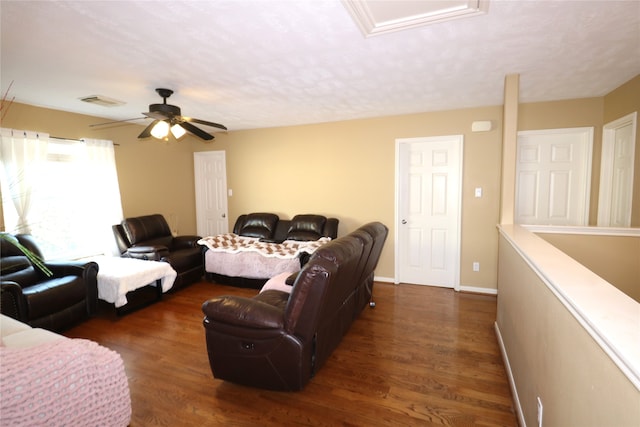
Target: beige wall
x,y
551,355
347,170
620,102
614,258
343,169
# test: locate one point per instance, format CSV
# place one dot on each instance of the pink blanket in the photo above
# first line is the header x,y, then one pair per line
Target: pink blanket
x,y
72,382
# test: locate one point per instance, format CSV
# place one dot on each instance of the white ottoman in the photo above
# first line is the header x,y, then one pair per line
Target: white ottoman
x,y
118,276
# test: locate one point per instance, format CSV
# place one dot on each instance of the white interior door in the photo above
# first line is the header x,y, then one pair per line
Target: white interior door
x,y
553,176
616,172
211,193
428,193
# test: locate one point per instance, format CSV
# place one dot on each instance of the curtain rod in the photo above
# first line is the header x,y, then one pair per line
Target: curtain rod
x,y
73,139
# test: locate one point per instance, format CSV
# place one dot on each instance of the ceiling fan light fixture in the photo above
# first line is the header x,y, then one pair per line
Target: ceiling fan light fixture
x,y
160,130
177,131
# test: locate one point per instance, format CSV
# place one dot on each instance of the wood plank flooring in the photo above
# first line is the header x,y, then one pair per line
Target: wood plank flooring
x,y
423,356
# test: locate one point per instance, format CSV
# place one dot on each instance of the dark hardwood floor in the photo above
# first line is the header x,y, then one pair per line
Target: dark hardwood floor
x,y
423,356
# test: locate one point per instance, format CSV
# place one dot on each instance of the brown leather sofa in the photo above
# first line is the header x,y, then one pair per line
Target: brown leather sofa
x,y
269,226
56,302
149,238
278,340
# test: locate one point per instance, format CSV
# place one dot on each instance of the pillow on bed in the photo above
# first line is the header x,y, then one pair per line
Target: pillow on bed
x,y
278,283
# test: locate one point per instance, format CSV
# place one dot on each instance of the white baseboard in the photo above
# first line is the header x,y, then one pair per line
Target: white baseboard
x,y
478,290
384,279
512,384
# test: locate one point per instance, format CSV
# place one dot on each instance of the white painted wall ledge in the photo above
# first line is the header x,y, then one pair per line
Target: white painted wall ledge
x,y
610,316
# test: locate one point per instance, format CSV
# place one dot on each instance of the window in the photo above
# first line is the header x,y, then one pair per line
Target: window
x,y
66,196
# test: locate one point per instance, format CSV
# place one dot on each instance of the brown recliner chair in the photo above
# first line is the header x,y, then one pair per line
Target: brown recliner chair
x,y
55,302
149,238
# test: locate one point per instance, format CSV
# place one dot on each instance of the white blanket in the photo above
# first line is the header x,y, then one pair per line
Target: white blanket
x,y
238,256
233,244
117,276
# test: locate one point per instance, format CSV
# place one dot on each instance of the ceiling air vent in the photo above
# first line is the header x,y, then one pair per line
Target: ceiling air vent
x,y
102,100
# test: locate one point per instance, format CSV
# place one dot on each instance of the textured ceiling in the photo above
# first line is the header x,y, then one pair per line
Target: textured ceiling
x,y
265,63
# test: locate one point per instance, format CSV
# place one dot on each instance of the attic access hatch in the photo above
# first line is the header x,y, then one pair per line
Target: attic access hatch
x,y
378,17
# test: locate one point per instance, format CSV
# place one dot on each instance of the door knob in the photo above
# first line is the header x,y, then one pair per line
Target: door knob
x,y
224,215
404,221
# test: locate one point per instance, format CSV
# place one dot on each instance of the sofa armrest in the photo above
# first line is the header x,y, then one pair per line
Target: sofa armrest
x,y
74,268
12,301
89,273
185,242
244,312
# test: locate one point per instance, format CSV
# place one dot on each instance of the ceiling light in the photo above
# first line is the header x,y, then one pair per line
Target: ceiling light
x,y
160,130
178,131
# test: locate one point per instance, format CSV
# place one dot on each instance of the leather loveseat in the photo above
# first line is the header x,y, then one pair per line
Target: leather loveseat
x,y
278,340
56,302
269,226
149,238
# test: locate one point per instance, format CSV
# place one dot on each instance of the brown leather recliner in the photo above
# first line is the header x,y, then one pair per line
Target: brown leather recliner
x,y
149,238
55,302
278,340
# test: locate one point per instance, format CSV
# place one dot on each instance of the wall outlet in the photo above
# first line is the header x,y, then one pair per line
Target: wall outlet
x,y
539,412
476,266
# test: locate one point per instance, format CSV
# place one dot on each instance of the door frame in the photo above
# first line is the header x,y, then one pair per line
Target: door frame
x,y
606,164
459,139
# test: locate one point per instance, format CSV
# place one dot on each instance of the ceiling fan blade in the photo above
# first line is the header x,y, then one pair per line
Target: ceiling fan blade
x,y
156,115
202,122
196,131
146,133
116,121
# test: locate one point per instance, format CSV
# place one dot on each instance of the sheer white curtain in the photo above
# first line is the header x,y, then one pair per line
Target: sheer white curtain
x,y
22,153
73,196
100,165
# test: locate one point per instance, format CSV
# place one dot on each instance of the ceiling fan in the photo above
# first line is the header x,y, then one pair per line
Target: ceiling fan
x,y
167,118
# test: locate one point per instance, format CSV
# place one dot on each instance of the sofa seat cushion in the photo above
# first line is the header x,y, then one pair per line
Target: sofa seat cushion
x,y
55,295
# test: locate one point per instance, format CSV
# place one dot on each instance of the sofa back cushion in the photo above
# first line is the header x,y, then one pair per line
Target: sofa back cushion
x,y
148,230
261,225
306,227
20,270
321,304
